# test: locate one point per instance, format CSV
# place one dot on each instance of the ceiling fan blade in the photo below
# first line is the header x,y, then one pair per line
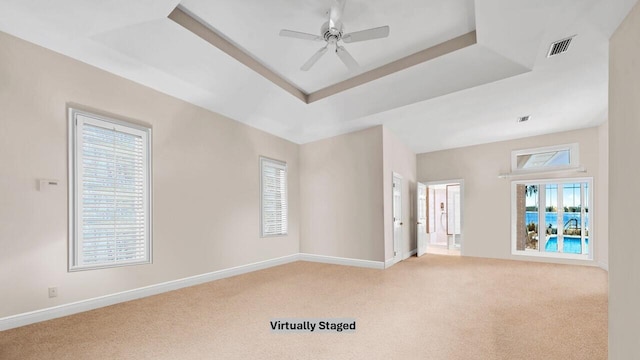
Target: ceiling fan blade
x,y
335,14
369,34
313,59
346,58
300,35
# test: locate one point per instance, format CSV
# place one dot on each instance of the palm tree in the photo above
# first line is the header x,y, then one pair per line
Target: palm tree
x,y
530,190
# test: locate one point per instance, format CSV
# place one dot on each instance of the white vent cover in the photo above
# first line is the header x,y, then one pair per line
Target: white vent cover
x,y
560,46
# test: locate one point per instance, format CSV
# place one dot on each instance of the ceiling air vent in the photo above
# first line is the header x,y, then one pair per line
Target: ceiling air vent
x,y
524,118
560,46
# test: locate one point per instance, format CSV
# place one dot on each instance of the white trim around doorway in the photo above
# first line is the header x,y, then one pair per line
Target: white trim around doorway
x,y
462,214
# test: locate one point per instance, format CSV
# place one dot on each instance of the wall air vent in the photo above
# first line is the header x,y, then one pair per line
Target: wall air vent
x,y
560,46
524,118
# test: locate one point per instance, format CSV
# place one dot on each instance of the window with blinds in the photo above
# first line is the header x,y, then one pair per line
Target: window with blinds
x,y
273,197
110,190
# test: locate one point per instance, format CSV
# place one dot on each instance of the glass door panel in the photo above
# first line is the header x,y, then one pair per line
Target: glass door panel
x,y
585,215
532,220
572,219
551,218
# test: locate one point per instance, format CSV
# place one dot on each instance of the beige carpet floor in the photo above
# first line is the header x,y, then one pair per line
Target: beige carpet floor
x,y
433,307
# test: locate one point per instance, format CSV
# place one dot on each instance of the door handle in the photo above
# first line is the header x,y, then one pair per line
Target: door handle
x,y
419,223
401,224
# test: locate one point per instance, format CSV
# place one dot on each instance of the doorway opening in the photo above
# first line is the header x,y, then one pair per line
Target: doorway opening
x,y
443,219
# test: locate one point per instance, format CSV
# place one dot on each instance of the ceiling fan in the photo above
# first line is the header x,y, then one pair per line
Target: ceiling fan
x,y
332,32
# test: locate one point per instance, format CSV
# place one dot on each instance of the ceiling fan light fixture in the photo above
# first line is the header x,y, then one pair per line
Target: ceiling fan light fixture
x,y
332,32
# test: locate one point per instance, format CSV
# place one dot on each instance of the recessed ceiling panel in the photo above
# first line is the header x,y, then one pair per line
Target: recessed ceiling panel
x,y
469,96
254,25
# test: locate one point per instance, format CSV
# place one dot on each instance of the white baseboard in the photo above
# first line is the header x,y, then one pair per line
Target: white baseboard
x,y
14,321
342,261
409,254
390,262
31,317
603,265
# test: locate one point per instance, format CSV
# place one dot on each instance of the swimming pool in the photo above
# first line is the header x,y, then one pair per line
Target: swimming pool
x,y
571,245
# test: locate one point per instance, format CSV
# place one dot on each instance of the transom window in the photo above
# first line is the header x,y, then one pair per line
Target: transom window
x,y
545,159
110,192
553,218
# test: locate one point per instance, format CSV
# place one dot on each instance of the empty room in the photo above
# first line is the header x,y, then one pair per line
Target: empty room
x,y
327,179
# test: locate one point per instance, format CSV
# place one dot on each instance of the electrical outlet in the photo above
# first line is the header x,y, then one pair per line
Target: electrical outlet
x,y
53,292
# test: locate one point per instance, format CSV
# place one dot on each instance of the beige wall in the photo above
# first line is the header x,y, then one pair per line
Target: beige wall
x,y
487,199
602,197
346,189
624,192
205,177
341,189
398,158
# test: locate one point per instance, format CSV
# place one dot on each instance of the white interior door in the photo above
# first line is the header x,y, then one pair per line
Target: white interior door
x,y
397,217
431,210
453,215
421,212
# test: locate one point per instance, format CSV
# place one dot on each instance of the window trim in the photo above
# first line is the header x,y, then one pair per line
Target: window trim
x,y
283,164
72,244
574,158
556,255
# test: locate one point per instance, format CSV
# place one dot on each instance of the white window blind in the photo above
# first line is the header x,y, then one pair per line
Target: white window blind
x,y
111,193
274,197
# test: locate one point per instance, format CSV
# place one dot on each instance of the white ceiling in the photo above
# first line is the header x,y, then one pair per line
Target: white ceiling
x,y
471,96
415,25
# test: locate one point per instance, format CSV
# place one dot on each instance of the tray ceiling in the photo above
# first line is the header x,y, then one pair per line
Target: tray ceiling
x,y
469,96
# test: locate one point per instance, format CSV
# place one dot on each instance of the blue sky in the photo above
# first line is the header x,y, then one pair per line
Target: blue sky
x,y
570,195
